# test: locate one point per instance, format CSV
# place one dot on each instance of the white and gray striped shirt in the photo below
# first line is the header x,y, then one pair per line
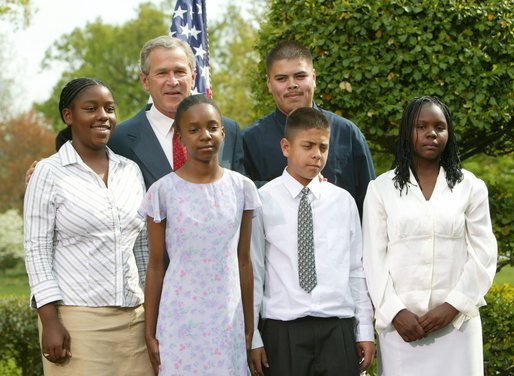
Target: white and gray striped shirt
x,y
85,244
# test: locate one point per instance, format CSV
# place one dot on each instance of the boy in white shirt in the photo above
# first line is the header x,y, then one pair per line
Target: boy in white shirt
x,y
309,286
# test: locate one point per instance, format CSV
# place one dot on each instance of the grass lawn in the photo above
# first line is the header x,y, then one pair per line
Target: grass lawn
x,y
14,283
506,275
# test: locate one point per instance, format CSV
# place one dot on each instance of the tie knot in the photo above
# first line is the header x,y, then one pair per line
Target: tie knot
x,y
305,191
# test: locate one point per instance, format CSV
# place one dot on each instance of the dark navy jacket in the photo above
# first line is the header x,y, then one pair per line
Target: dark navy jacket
x,y
135,139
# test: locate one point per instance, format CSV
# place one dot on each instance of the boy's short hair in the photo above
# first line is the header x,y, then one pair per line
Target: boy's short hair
x,y
287,49
305,118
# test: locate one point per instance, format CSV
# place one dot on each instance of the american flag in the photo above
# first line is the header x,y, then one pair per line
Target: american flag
x,y
189,23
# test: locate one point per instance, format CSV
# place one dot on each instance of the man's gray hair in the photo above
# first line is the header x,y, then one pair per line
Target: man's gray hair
x,y
164,41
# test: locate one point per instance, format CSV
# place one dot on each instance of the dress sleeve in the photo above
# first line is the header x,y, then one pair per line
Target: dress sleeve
x,y
251,196
478,272
154,202
39,211
375,243
258,252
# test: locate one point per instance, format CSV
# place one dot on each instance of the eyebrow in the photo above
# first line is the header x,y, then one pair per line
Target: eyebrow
x,y
294,74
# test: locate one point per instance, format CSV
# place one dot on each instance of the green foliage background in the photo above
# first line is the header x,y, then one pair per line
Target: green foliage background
x,y
372,57
11,240
19,338
107,52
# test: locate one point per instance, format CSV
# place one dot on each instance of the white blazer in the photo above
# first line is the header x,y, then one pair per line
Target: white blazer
x,y
418,254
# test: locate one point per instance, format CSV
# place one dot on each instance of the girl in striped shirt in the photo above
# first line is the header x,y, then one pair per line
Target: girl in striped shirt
x,y
85,246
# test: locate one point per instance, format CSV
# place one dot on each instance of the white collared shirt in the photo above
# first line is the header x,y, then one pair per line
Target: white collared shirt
x,y
162,126
85,245
341,287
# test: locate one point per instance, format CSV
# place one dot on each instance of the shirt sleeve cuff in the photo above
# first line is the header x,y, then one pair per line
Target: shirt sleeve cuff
x,y
386,313
44,293
257,340
364,333
462,303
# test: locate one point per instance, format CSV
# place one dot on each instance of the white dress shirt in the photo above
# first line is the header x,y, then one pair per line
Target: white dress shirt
x,y
85,245
163,128
341,287
421,253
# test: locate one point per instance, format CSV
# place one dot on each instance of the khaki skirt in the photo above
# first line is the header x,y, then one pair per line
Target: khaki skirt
x,y
104,341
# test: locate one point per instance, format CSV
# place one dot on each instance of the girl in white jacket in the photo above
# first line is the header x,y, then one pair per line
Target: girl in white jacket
x,y
429,251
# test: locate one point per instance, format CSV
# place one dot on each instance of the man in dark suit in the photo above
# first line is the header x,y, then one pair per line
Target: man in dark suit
x,y
168,73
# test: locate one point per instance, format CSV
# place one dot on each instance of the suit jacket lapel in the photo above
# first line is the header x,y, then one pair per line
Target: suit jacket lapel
x,y
147,148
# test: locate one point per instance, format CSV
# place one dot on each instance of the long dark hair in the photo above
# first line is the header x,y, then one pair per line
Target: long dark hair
x,y
403,160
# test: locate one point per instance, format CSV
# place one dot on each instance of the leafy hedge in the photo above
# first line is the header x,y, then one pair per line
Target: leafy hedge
x,y
371,57
19,337
498,327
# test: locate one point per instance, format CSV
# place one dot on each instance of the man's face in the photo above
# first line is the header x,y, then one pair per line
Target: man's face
x,y
169,79
291,82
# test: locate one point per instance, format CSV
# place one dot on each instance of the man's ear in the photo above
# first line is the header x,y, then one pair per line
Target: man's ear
x,y
144,81
268,84
284,145
193,77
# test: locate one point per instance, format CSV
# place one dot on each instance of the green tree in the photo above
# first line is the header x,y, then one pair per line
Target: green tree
x,y
107,52
16,11
233,59
11,239
371,58
6,83
13,13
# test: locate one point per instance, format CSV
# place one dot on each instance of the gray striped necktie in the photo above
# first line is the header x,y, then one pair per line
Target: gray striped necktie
x,y
306,261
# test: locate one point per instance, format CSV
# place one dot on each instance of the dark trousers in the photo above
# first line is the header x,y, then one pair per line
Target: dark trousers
x,y
310,346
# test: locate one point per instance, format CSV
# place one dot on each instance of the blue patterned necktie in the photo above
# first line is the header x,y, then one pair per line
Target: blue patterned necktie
x,y
306,261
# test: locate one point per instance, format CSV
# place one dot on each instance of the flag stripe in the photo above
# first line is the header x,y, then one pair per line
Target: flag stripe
x,y
189,23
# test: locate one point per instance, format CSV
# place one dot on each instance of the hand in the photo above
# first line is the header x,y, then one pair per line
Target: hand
x,y
438,318
365,354
407,325
29,173
257,361
152,346
55,342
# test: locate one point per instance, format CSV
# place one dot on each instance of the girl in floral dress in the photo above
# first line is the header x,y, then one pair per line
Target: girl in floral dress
x,y
199,310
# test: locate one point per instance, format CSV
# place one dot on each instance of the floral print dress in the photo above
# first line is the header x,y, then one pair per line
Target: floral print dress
x,y
200,327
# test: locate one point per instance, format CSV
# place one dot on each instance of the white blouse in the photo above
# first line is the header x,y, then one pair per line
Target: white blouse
x,y
419,253
85,244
